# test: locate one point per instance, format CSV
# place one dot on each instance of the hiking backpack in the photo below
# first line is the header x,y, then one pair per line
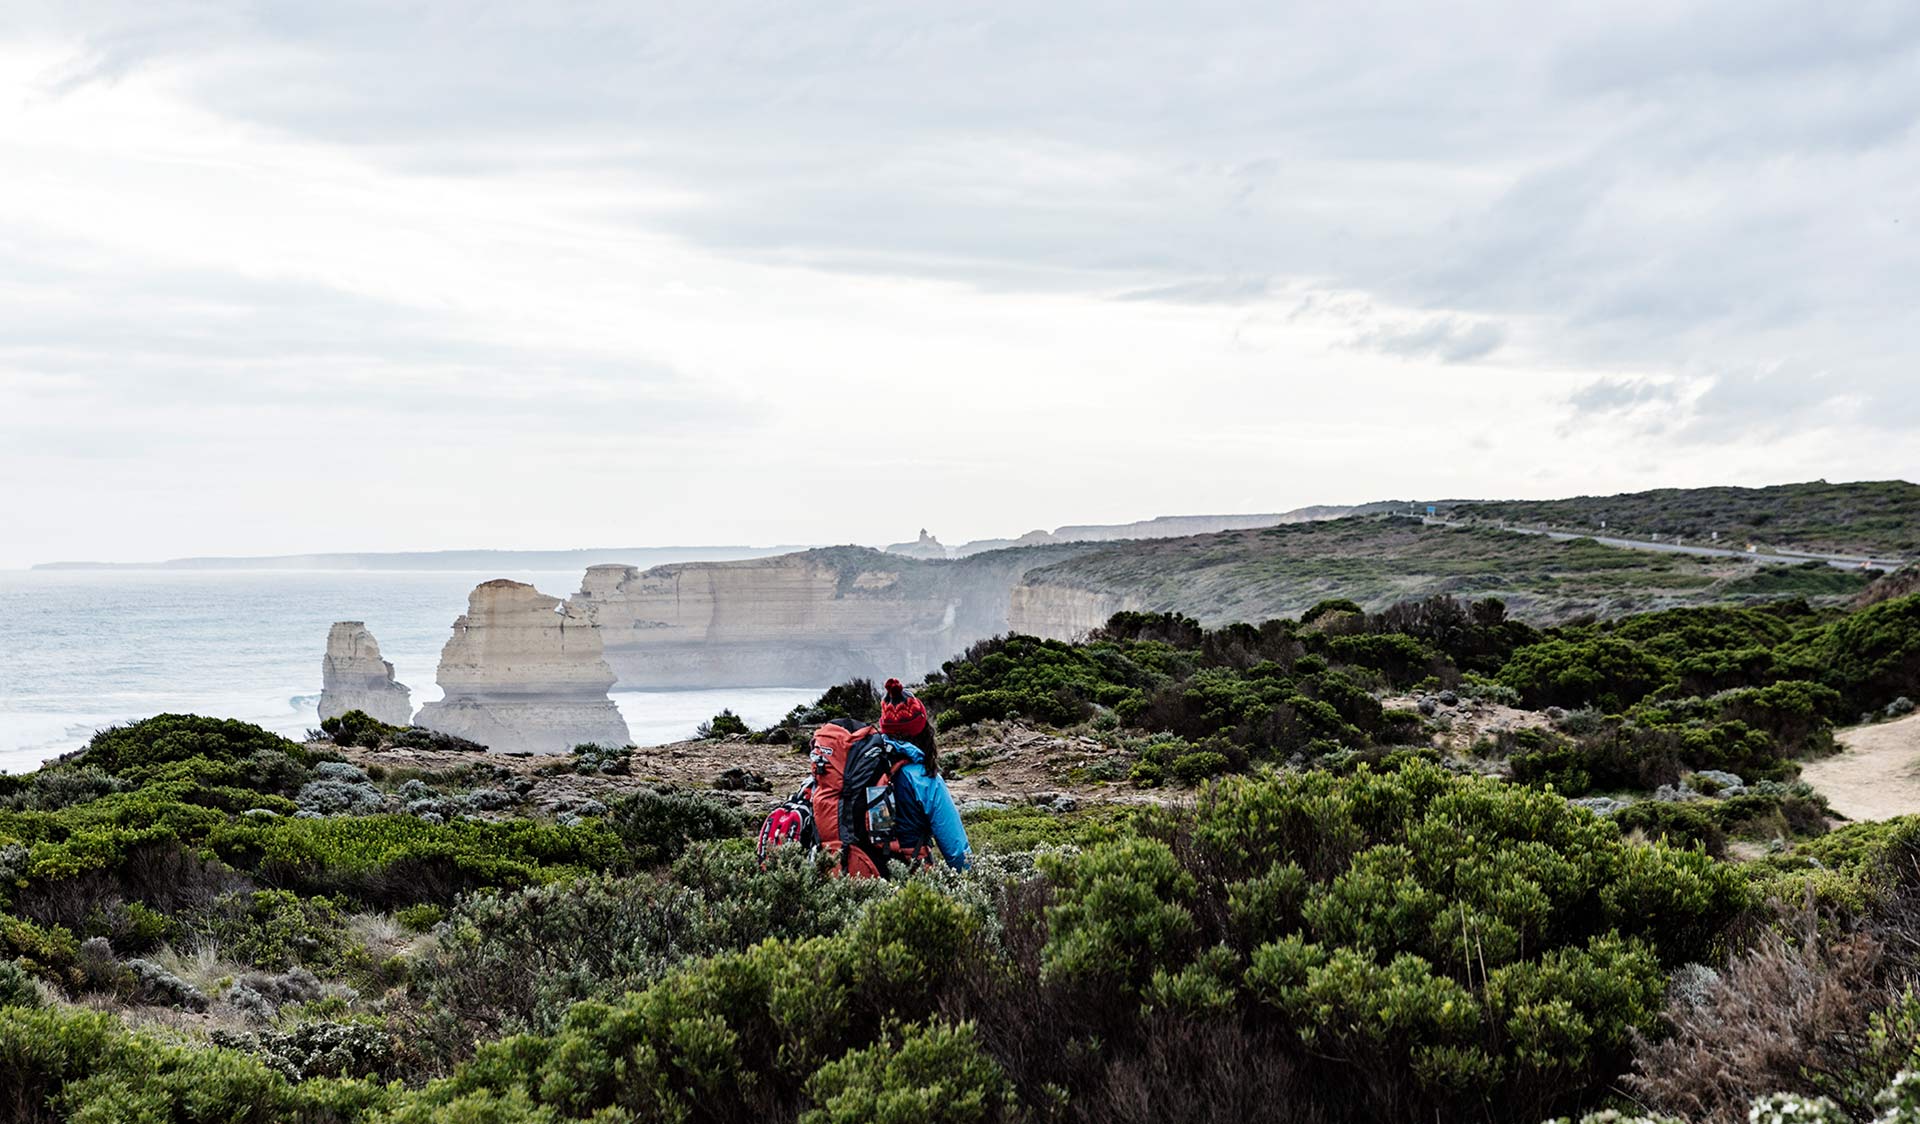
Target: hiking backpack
x,y
858,800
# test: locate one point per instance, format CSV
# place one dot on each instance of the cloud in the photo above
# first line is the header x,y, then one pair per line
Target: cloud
x,y
743,220
1212,290
1446,338
1774,399
1615,394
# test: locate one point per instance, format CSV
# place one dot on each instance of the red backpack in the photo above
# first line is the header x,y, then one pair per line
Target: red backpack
x,y
854,790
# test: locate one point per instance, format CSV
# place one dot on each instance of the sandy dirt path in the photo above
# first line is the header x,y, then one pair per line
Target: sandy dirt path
x,y
1876,774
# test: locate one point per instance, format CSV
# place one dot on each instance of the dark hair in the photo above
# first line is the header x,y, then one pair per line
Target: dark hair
x,y
929,752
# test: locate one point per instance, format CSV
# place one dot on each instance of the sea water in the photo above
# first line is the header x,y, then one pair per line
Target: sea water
x,y
85,649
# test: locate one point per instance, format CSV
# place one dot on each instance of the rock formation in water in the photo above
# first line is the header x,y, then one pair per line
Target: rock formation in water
x,y
354,677
798,620
523,671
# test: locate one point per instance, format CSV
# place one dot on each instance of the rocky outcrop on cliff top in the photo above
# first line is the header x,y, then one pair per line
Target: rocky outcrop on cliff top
x,y
522,671
926,546
354,677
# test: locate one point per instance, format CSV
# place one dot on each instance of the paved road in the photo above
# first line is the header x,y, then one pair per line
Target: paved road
x,y
1841,561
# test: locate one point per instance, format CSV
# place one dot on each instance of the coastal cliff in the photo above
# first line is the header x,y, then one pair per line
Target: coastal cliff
x,y
798,620
353,676
522,671
1055,611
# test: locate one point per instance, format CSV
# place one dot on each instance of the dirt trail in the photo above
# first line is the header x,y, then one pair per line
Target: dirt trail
x,y
1876,774
1006,765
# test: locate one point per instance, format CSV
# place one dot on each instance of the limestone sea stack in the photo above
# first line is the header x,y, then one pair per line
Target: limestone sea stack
x,y
354,677
522,671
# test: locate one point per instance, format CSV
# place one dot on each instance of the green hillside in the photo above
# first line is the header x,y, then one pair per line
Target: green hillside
x,y
1281,571
1867,517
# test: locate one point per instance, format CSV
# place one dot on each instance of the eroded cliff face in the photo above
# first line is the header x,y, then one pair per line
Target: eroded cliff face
x,y
354,677
1062,612
797,620
523,671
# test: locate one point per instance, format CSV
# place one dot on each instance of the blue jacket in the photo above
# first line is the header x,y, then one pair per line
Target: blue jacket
x,y
929,813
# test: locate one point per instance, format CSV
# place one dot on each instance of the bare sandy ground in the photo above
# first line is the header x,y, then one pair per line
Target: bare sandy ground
x,y
1876,775
1002,763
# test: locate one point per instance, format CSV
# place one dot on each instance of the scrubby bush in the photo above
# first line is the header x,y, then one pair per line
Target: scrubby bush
x,y
84,1066
398,860
725,724
278,929
1675,824
1604,672
16,986
357,728
608,760
512,962
1391,922
734,1037
1330,607
927,1074
656,827
856,698
318,1049
1870,657
179,737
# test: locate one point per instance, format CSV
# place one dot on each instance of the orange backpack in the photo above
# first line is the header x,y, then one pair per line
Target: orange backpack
x,y
855,796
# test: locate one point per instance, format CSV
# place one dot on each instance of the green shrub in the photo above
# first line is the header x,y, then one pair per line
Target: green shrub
x,y
1870,657
48,951
400,860
657,827
420,918
1603,672
1193,768
731,1037
725,724
1329,607
1119,912
358,728
1027,827
927,1074
1401,658
177,737
1454,936
1678,825
83,1066
858,699
278,929
512,962
16,986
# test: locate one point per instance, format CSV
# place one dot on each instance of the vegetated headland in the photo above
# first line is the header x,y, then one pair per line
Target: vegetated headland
x,y
1406,853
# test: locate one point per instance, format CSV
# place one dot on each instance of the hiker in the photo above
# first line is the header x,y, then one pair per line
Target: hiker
x,y
904,718
936,816
872,800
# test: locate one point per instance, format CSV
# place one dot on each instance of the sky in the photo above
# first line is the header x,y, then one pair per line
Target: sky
x,y
288,277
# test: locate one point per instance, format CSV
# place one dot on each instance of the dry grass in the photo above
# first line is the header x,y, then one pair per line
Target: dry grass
x,y
1786,1015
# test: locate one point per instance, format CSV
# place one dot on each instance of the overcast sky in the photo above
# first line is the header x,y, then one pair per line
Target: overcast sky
x,y
364,276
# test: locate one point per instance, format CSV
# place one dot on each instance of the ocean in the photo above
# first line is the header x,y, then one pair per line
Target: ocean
x,y
81,650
